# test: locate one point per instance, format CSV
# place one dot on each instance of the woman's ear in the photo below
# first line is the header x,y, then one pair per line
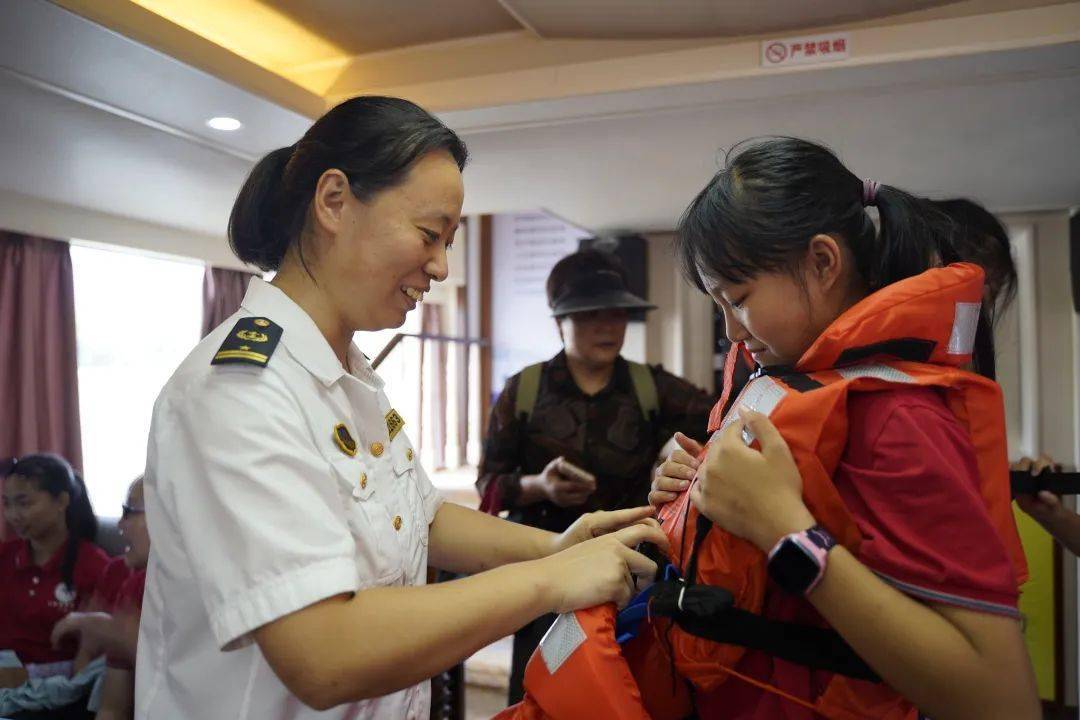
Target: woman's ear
x,y
328,205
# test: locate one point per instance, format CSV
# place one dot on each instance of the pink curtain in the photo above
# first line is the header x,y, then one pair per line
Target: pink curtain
x,y
223,291
39,380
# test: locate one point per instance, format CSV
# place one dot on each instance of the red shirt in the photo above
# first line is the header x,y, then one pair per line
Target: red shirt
x,y
909,478
35,598
111,583
128,604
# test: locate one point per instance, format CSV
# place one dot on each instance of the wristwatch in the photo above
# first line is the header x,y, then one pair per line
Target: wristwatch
x,y
797,561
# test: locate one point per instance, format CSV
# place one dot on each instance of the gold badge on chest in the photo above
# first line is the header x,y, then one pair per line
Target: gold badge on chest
x,y
394,423
344,440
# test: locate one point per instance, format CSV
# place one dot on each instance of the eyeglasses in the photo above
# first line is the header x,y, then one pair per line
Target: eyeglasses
x,y
130,510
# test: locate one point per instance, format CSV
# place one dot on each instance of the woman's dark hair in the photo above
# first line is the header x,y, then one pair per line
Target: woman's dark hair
x,y
54,475
576,265
759,213
373,140
983,240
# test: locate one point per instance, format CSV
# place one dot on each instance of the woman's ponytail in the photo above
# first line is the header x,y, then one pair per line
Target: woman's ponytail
x,y
82,525
255,233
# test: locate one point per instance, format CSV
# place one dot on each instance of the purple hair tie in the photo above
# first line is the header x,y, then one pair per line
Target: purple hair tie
x,y
869,192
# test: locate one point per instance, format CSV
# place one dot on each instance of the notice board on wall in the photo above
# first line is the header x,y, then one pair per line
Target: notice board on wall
x,y
524,248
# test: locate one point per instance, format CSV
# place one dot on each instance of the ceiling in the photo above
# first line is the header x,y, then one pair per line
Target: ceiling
x,y
364,26
113,126
653,19
310,54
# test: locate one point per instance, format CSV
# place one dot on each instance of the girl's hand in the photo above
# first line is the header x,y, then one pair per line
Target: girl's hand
x,y
754,495
673,476
595,524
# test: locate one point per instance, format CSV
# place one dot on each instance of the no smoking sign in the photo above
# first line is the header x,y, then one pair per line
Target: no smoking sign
x,y
805,50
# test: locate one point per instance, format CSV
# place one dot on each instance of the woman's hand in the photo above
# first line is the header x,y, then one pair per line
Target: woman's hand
x,y
1045,506
754,495
595,524
673,476
603,569
558,486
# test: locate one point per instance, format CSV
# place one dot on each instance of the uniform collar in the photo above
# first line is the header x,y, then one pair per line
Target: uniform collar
x,y
302,336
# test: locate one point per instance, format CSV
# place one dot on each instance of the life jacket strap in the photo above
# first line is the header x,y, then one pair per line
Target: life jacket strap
x,y
1059,483
709,612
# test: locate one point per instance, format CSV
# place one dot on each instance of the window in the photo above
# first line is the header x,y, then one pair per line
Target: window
x,y
136,318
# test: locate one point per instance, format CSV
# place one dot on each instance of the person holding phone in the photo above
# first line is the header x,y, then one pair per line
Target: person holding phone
x,y
582,431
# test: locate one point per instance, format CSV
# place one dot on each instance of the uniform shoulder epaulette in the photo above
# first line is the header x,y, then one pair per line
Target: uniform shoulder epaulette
x,y
251,342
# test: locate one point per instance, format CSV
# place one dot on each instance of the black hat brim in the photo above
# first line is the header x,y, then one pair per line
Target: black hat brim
x,y
613,299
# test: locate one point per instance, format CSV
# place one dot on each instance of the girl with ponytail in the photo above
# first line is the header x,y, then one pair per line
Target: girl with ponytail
x,y
924,585
53,566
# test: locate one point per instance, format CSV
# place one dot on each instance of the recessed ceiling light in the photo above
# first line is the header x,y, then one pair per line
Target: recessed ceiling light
x,y
227,124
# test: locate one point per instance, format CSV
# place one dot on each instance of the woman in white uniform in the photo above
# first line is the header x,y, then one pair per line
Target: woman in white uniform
x,y
291,523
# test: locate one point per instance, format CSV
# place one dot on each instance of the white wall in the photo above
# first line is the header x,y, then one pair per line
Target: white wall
x,y
1053,358
678,334
33,216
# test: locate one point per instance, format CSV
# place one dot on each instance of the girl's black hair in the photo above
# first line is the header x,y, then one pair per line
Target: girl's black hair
x,y
373,140
760,211
54,475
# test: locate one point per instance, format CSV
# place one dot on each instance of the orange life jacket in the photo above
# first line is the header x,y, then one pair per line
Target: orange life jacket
x,y
919,331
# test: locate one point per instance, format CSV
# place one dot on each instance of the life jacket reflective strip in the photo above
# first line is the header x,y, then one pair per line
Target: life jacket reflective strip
x,y
932,317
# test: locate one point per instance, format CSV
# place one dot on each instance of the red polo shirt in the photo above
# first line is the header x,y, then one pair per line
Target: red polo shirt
x,y
34,598
910,479
129,607
111,584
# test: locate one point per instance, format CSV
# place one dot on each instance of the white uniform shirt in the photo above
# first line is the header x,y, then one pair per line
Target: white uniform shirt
x,y
255,512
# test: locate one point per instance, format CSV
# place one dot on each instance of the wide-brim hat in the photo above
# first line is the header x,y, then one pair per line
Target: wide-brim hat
x,y
597,290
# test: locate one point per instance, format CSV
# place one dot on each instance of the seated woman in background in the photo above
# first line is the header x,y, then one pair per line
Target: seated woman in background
x,y
52,568
116,633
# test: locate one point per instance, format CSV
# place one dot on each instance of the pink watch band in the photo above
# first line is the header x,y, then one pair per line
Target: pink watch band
x,y
819,553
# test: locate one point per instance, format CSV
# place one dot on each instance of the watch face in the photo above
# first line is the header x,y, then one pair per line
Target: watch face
x,y
793,568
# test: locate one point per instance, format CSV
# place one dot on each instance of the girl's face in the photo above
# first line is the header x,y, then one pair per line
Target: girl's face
x,y
383,254
32,512
779,315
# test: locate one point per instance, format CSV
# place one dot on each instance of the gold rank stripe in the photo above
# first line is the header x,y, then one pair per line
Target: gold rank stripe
x,y
241,355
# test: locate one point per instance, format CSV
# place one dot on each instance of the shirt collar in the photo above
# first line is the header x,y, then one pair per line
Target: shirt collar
x,y
560,376
302,336
23,558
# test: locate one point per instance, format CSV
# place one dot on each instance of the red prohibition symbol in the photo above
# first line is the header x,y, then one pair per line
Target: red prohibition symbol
x,y
776,52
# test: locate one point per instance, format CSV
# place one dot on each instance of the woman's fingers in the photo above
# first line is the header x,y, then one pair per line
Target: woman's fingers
x,y
636,534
